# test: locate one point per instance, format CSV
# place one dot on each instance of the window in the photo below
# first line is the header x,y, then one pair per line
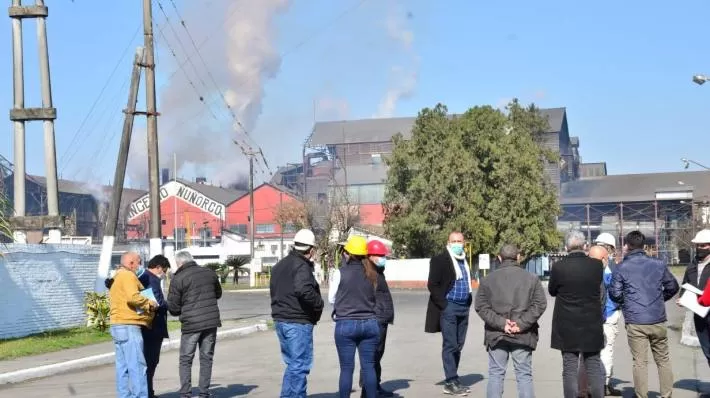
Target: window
x,y
289,229
265,228
239,228
205,233
180,232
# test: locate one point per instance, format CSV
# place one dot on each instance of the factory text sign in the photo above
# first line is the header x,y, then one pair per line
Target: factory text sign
x,y
187,194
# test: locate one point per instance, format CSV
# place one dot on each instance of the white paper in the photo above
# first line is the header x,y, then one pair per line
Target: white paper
x,y
689,300
691,288
484,261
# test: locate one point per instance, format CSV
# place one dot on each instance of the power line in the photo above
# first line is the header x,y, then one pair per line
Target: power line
x,y
98,98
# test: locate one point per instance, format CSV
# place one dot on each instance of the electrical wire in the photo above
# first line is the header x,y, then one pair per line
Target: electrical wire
x,y
62,158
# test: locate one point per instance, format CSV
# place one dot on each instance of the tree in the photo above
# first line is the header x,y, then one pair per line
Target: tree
x,y
236,263
293,213
481,173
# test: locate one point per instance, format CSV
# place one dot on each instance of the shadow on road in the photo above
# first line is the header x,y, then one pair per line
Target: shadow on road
x,y
468,380
219,391
693,385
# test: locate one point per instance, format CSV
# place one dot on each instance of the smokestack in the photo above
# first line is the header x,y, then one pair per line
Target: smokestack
x,y
165,176
201,180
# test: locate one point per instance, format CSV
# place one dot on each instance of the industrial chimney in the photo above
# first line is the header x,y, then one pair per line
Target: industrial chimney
x,y
165,176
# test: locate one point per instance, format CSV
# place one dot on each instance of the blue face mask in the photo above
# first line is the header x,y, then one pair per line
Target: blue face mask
x,y
456,248
381,262
140,270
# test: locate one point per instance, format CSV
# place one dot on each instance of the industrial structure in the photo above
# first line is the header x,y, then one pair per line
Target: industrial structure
x,y
347,157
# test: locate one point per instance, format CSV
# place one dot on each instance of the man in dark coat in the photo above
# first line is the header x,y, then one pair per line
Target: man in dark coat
x,y
697,274
510,301
577,321
154,335
642,285
193,296
449,307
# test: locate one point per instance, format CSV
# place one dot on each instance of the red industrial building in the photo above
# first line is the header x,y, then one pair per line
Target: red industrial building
x,y
195,213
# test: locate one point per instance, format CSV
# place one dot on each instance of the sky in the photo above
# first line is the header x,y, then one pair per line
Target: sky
x,y
263,72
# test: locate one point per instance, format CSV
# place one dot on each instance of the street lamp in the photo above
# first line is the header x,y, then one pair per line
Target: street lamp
x,y
700,79
687,162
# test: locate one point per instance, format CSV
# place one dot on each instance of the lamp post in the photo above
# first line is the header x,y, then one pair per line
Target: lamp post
x,y
687,162
700,79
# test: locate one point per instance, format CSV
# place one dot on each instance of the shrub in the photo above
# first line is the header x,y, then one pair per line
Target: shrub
x,y
98,310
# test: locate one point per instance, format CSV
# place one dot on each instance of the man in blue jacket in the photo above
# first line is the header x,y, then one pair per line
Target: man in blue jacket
x,y
642,285
153,336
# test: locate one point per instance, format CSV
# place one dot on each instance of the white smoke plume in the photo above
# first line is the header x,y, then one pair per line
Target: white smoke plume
x,y
238,44
403,80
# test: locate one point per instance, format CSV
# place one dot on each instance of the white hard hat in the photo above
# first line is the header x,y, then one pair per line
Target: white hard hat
x,y
701,237
304,239
606,238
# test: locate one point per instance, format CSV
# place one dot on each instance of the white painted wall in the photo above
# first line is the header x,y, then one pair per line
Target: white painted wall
x,y
416,269
42,287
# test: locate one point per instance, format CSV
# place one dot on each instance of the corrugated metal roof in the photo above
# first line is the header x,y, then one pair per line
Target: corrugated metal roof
x,y
634,187
381,130
222,195
361,174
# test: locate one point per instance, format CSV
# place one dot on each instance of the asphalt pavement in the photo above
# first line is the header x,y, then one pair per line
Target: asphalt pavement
x,y
251,366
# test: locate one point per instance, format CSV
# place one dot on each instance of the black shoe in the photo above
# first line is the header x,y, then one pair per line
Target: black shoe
x,y
451,388
384,393
610,391
461,386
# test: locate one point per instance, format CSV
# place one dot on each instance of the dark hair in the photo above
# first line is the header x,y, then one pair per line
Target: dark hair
x,y
369,266
159,261
509,252
108,282
635,240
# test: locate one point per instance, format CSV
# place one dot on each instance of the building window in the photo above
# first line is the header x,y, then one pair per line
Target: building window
x,y
265,228
289,229
205,233
239,228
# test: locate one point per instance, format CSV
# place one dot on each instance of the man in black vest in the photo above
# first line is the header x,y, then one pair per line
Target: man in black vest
x,y
697,274
449,306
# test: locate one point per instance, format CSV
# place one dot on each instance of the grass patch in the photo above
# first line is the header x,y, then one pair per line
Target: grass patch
x,y
57,340
677,270
52,341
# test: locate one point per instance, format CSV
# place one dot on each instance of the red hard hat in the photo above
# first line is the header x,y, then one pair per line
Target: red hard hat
x,y
376,248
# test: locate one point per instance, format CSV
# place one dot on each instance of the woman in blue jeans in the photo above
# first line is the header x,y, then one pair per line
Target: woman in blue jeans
x,y
356,326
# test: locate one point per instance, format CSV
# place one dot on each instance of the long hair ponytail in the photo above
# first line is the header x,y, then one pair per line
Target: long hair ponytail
x,y
370,271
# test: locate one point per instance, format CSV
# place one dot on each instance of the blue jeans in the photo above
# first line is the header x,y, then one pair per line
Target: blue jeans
x,y
130,363
498,363
454,326
296,341
363,335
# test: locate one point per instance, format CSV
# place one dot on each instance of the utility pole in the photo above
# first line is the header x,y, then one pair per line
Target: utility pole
x,y
19,115
120,174
251,202
156,242
281,227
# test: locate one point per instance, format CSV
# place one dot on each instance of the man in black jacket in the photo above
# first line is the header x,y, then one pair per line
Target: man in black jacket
x,y
577,321
193,296
449,306
510,301
697,274
296,305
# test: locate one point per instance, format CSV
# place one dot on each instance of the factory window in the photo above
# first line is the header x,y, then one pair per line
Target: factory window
x,y
289,229
205,233
265,228
239,228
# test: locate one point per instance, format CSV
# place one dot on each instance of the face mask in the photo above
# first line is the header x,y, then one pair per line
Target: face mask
x,y
700,253
162,276
140,270
381,262
456,248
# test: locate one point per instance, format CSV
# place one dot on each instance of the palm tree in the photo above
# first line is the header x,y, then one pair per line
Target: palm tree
x,y
236,264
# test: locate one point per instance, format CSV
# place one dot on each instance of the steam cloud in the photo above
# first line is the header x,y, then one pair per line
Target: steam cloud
x,y
403,79
241,56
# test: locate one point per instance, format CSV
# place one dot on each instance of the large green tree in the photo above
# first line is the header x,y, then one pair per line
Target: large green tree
x,y
481,172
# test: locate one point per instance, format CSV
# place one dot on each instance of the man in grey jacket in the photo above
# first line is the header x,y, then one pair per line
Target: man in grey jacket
x,y
510,301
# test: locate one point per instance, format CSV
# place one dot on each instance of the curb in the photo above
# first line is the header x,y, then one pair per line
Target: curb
x,y
20,376
246,290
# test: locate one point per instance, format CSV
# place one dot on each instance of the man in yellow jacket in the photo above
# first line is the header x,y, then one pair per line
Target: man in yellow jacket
x,y
129,311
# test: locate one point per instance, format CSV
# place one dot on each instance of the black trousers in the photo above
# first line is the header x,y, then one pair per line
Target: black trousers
x,y
379,354
152,344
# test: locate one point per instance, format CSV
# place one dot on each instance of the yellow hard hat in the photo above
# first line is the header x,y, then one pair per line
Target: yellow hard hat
x,y
356,245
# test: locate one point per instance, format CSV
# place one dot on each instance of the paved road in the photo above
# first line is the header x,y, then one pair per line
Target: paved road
x,y
412,366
